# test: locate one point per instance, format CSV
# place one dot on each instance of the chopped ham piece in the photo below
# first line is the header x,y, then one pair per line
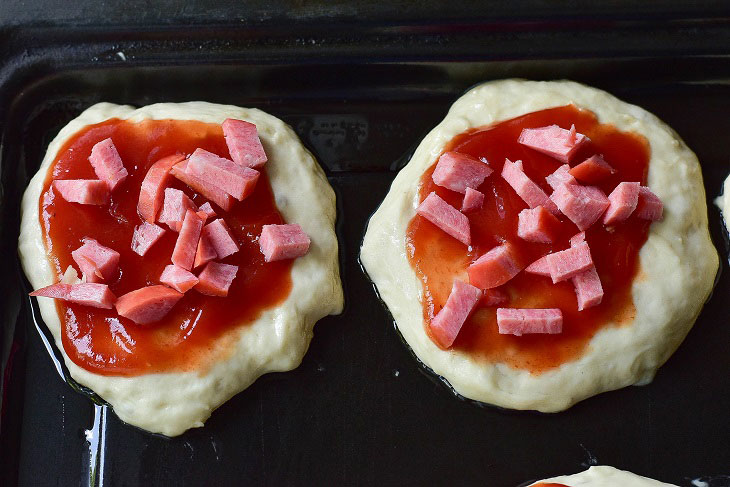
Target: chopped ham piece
x,y
577,238
537,225
623,203
238,181
570,262
145,236
219,236
446,217
244,143
583,205
280,242
152,191
183,255
553,141
107,164
216,279
148,304
560,176
87,294
531,193
494,268
592,170
515,321
588,288
205,251
539,267
458,172
447,323
174,208
208,210
493,297
473,200
649,207
209,191
97,263
178,278
84,191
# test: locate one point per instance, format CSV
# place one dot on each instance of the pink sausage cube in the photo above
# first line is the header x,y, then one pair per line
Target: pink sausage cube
x,y
515,321
219,236
87,294
208,210
494,268
447,323
280,242
458,172
107,164
152,191
537,225
539,267
244,143
570,262
446,217
216,279
238,181
554,141
560,176
178,278
588,288
174,208
592,170
183,255
148,304
145,236
473,200
623,200
577,238
583,205
649,206
531,193
97,263
83,191
209,191
205,251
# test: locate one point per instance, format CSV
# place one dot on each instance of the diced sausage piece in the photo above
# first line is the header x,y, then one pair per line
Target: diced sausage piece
x,y
219,236
539,267
244,144
579,237
97,263
148,304
560,176
649,207
623,203
494,268
208,210
592,170
107,164
537,225
280,242
588,288
236,180
446,324
446,217
205,251
458,172
473,200
216,279
570,262
553,141
84,191
174,208
152,191
213,193
515,321
493,297
145,236
86,293
531,193
178,278
583,205
183,255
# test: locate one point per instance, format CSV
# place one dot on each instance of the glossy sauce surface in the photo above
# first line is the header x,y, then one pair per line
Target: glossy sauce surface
x,y
438,258
199,328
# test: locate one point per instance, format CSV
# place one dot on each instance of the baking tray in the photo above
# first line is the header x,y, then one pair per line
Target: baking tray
x,y
360,410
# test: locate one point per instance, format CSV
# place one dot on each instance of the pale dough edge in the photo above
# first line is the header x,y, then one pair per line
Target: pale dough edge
x,y
171,403
678,259
605,476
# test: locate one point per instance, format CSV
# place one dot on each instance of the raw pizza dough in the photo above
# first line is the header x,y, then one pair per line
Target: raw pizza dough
x,y
678,261
604,476
170,403
723,202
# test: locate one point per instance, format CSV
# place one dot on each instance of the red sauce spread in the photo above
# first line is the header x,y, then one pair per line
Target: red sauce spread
x,y
199,328
438,258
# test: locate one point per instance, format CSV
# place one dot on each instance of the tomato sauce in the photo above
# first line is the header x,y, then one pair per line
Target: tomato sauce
x,y
438,258
199,328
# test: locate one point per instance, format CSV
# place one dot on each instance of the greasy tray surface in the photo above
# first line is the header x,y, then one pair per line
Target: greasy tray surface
x,y
360,410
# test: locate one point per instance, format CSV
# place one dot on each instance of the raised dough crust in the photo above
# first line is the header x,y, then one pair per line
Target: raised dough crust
x,y
171,403
723,202
678,261
605,476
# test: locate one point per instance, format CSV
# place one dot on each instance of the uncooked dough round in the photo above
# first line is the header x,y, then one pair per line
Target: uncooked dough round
x,y
723,202
170,403
678,262
604,476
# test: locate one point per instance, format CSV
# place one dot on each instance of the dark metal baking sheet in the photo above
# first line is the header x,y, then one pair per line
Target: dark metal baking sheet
x,y
360,410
